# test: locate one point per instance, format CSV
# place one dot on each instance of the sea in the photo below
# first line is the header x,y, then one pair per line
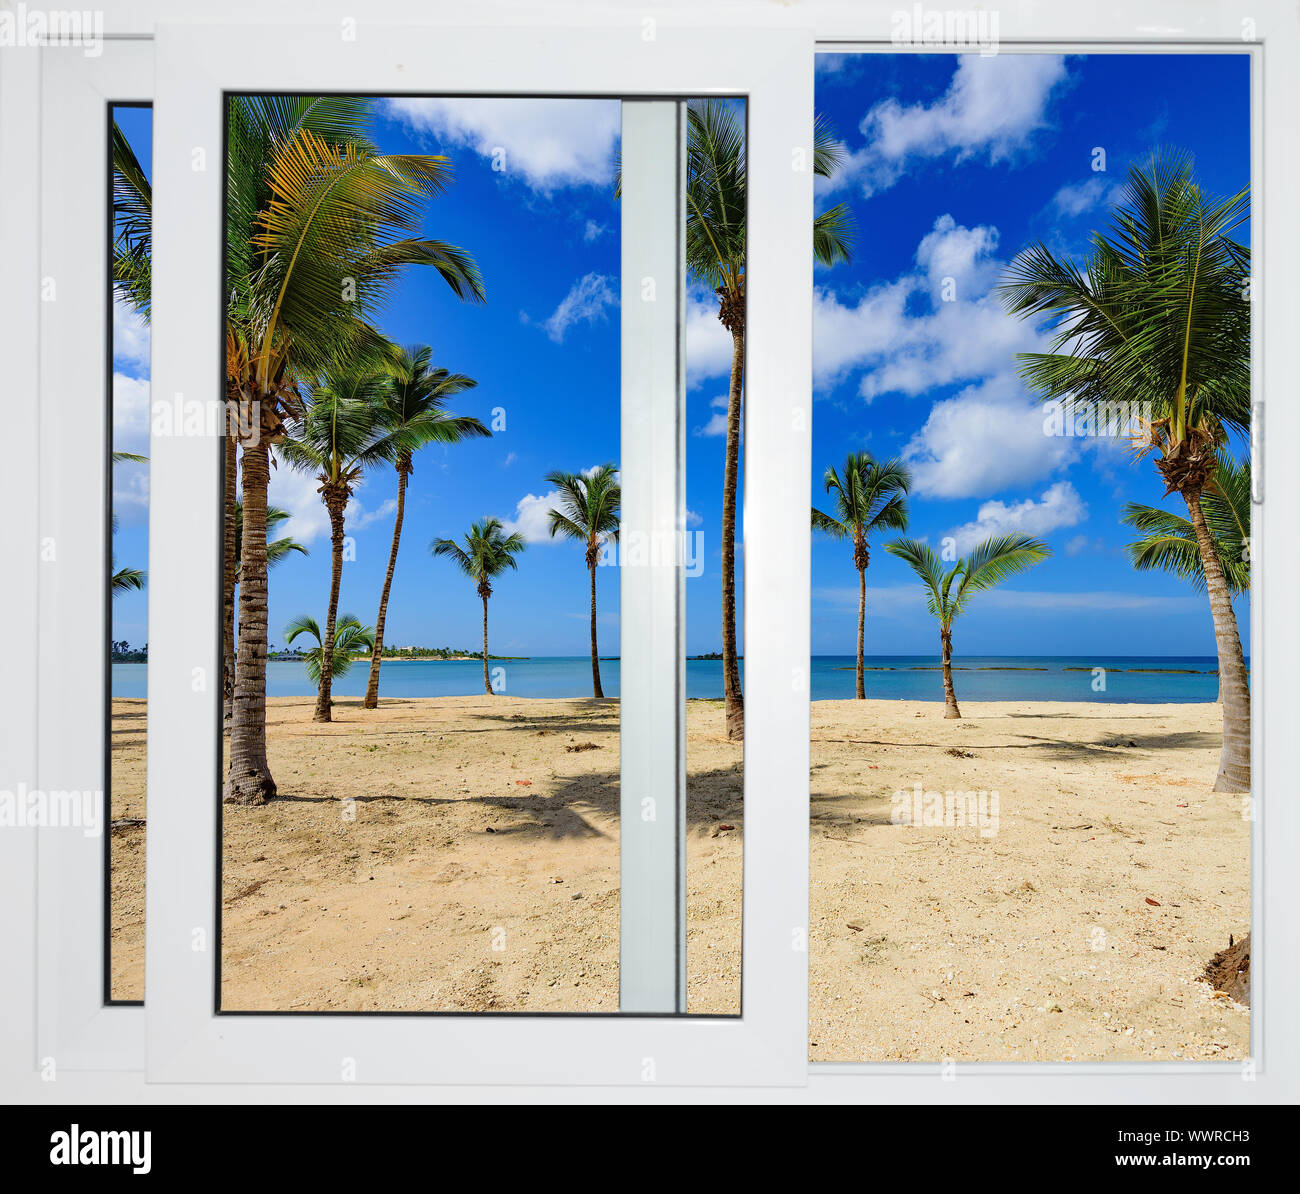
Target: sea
x,y
1122,679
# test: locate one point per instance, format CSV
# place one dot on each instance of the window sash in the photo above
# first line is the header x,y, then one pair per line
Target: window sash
x,y
75,1027
187,1041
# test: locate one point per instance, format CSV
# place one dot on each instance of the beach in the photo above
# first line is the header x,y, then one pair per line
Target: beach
x,y
1077,929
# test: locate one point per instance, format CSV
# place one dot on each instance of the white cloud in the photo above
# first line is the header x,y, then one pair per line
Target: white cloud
x,y
130,340
1060,506
130,414
297,492
547,143
992,108
985,439
592,231
693,519
906,350
1078,197
717,424
708,343
587,301
358,517
532,517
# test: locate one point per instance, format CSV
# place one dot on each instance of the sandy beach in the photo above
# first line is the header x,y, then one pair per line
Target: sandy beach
x,y
1078,930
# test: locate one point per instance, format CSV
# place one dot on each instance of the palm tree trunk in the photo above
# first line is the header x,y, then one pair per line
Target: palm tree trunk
x,y
322,710
228,583
487,683
1234,687
597,691
372,688
862,633
249,779
734,701
950,709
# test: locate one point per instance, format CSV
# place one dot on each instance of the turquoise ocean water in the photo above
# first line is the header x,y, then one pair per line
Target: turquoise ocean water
x,y
1128,679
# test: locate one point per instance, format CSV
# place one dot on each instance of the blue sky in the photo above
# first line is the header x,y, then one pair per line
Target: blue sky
x,y
952,165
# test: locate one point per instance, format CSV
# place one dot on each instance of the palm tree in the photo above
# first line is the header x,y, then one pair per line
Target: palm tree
x,y
487,553
349,638
132,226
1169,541
125,579
588,512
277,550
319,226
339,433
868,497
987,566
1158,320
413,409
715,256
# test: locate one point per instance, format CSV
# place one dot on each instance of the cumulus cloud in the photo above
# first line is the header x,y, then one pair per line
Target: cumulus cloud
x,y
297,492
717,424
1075,198
1060,506
545,143
592,231
532,514
708,343
587,302
991,110
987,438
130,340
934,326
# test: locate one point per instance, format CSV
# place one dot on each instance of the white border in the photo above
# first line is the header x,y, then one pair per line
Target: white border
x,y
186,1041
75,1027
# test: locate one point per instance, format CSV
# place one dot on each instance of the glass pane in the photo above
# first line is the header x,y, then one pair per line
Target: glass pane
x,y
423,469
715,354
131,131
1029,842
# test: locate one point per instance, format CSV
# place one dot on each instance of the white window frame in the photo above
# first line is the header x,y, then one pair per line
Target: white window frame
x,y
187,1041
76,1028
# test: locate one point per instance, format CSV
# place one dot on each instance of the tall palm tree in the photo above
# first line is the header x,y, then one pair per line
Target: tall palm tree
x,y
319,227
413,408
986,567
715,256
277,550
338,434
1158,318
487,553
588,512
349,638
132,226
1169,541
868,497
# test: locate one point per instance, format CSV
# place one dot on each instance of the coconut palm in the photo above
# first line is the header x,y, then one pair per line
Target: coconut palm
x,y
319,227
339,433
949,592
487,553
869,496
125,579
588,512
277,550
349,638
715,257
132,226
1169,541
1157,320
413,408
